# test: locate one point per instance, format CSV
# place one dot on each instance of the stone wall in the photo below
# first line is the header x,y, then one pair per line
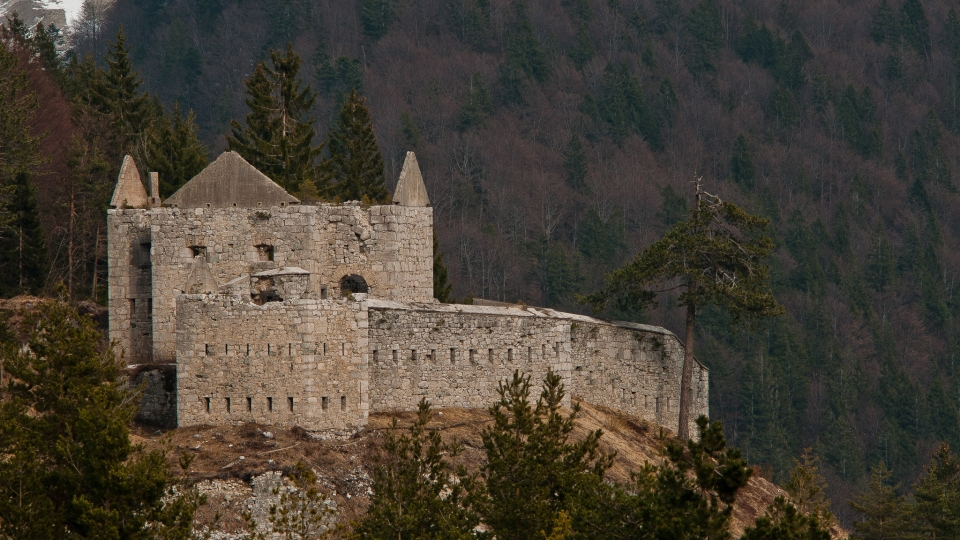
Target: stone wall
x,y
391,247
456,355
300,362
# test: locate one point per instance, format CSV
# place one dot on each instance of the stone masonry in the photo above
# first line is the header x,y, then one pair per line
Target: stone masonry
x,y
315,315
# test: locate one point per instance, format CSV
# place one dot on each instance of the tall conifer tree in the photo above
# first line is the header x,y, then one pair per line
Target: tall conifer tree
x,y
118,95
355,166
278,136
23,253
174,150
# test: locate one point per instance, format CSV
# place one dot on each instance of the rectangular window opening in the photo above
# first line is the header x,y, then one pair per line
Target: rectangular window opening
x,y
228,404
453,356
226,348
206,349
208,404
343,349
249,404
198,251
376,357
323,292
543,350
144,255
289,349
290,403
268,349
529,354
473,356
133,307
343,403
324,403
264,252
248,349
396,355
433,355
270,404
324,348
490,355
413,355
509,355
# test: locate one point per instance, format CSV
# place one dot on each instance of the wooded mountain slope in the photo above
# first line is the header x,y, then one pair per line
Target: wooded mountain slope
x,y
559,138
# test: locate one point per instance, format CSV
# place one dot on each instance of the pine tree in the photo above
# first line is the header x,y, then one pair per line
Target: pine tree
x,y
882,509
784,521
914,26
478,106
23,253
376,16
885,27
720,253
18,148
69,467
441,281
575,164
278,137
742,170
355,166
417,493
533,470
174,151
118,93
582,50
936,513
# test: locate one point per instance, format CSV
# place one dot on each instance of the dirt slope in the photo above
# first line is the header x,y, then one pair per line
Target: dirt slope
x,y
228,458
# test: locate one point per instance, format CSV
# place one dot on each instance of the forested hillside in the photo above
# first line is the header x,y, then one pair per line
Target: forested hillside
x,y
558,138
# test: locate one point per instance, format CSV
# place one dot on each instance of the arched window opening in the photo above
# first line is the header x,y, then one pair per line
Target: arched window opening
x,y
354,283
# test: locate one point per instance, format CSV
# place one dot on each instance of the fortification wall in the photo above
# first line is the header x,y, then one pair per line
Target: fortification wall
x,y
457,357
389,246
130,284
300,362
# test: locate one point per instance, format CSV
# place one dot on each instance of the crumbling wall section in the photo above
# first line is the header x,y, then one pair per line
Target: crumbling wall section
x,y
300,362
130,284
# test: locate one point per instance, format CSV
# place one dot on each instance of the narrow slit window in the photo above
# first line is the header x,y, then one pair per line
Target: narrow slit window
x,y
396,356
208,403
228,405
433,355
529,354
290,403
325,403
473,356
324,347
509,355
323,293
413,355
248,349
453,356
543,350
206,349
343,403
133,307
289,349
376,357
270,404
226,348
268,349
557,349
249,404
490,355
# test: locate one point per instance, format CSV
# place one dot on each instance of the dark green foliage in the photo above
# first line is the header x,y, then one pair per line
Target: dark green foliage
x,y
758,45
927,160
951,31
417,493
575,164
409,132
118,93
525,56
688,496
936,511
339,77
665,106
857,114
885,27
47,42
441,280
742,170
602,238
478,105
674,207
557,272
181,61
706,31
70,470
376,16
881,266
18,147
914,27
784,522
622,105
23,252
470,20
582,50
354,168
278,136
533,470
174,151
882,509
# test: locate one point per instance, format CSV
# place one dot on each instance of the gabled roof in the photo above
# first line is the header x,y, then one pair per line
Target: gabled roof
x,y
227,182
410,189
129,191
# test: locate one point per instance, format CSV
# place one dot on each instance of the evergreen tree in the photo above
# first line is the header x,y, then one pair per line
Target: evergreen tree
x,y
478,106
23,253
914,26
674,206
951,31
622,104
742,170
337,78
376,16
936,513
524,50
533,471
69,468
720,254
881,265
704,26
602,240
885,27
808,489
883,511
783,521
118,93
174,151
18,148
278,137
575,163
582,50
441,281
417,493
355,163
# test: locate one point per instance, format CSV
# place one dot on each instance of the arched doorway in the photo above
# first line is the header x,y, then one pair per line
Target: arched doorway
x,y
353,283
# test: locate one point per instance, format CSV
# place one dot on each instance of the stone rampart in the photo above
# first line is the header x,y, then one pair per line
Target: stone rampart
x,y
299,362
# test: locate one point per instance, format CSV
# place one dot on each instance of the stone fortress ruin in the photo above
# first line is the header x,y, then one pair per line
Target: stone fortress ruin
x,y
271,311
